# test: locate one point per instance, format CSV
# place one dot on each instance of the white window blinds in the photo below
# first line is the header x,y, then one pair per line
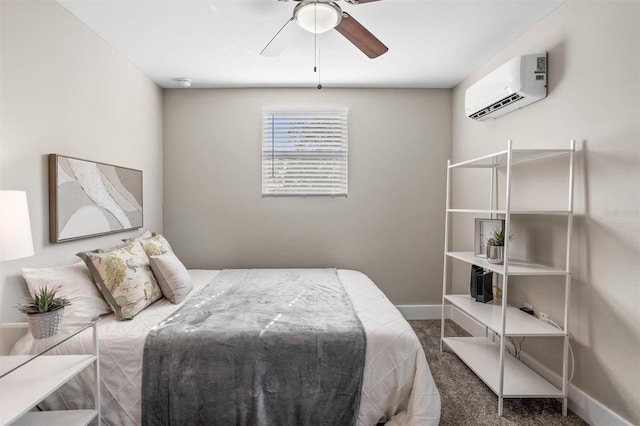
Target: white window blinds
x,y
304,153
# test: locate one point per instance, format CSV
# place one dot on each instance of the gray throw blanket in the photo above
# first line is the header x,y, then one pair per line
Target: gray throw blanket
x,y
257,347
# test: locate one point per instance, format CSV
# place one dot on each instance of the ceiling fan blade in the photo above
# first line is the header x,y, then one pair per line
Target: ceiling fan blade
x,y
281,40
360,36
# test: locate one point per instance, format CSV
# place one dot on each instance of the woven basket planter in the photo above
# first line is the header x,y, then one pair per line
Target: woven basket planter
x,y
46,324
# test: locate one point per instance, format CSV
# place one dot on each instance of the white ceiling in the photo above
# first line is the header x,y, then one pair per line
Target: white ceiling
x,y
217,43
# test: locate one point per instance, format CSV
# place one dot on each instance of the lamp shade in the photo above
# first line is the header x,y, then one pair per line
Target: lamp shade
x,y
317,16
15,228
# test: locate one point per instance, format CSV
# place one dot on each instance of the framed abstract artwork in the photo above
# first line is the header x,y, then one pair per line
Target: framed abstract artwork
x,y
87,198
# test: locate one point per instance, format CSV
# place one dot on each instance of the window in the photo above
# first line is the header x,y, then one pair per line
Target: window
x,y
304,153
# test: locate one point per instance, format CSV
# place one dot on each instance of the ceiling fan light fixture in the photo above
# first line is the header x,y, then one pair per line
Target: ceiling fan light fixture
x,y
317,16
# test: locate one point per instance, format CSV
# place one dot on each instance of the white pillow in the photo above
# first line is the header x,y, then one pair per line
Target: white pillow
x,y
75,284
173,278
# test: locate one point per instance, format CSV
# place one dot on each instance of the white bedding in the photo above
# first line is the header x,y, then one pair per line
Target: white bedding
x,y
397,383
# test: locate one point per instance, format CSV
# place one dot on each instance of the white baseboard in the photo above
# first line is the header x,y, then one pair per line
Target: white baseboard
x,y
583,405
592,411
430,312
587,408
421,312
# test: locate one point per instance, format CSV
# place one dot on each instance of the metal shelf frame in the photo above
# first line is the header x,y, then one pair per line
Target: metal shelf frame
x,y
505,160
27,380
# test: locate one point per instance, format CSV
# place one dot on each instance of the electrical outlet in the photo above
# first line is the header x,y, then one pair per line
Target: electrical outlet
x,y
544,316
528,305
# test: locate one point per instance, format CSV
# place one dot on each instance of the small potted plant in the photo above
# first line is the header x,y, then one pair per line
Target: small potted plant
x,y
495,247
44,312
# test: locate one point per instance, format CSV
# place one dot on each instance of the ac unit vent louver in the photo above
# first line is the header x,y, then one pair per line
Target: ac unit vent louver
x,y
496,106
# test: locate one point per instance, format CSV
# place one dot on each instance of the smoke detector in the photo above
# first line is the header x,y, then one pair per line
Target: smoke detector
x,y
184,82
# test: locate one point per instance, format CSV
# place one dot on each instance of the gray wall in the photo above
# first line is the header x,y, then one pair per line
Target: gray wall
x,y
594,97
390,226
65,91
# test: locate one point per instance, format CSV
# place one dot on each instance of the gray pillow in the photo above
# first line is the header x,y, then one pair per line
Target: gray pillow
x,y
173,278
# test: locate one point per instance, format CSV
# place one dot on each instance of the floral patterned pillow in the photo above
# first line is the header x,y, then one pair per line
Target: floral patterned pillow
x,y
124,278
156,245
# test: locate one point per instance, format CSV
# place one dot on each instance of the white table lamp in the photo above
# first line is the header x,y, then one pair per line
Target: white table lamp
x,y
15,228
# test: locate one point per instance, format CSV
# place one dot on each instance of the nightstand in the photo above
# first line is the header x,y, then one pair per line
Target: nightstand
x,y
25,380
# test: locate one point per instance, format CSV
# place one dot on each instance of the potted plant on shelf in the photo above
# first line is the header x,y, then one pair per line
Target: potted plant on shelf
x,y
495,247
44,312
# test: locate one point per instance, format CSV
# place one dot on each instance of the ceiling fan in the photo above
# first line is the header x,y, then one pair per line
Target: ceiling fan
x,y
319,16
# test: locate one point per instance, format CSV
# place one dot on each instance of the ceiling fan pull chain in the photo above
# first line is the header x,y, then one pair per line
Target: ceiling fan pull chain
x,y
318,55
315,37
316,50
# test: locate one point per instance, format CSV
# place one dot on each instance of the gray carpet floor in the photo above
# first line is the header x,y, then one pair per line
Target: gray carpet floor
x,y
466,400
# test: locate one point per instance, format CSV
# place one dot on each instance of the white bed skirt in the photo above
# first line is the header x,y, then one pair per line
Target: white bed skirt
x,y
397,385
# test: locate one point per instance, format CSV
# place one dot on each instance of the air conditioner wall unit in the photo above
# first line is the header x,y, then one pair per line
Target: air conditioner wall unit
x,y
518,83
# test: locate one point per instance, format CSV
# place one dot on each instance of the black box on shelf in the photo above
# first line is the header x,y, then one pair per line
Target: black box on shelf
x,y
481,287
473,285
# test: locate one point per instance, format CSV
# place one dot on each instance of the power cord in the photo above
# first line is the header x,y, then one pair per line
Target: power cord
x,y
573,361
517,348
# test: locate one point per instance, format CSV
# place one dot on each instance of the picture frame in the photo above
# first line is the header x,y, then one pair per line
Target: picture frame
x,y
88,198
484,229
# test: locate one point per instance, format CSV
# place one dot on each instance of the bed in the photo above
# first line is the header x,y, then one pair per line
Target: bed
x,y
397,386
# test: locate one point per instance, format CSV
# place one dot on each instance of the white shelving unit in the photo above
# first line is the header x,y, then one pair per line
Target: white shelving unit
x,y
25,380
503,373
